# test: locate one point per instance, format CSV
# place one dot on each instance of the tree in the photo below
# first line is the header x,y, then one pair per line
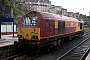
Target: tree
x,y
9,2
16,11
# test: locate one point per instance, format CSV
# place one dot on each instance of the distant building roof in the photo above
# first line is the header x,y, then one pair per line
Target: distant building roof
x,y
48,1
59,7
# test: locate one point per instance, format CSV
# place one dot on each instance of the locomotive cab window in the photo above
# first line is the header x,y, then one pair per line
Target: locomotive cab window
x,y
29,21
47,22
80,25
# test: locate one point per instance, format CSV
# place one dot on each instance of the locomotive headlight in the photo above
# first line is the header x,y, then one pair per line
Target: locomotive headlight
x,y
19,36
35,37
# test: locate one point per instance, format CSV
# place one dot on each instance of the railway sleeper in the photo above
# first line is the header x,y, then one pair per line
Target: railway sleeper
x,y
79,51
71,58
75,55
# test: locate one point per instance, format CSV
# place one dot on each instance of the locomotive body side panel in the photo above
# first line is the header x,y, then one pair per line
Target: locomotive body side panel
x,y
48,28
42,28
70,26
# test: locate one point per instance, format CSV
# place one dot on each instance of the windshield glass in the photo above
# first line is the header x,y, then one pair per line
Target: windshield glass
x,y
29,21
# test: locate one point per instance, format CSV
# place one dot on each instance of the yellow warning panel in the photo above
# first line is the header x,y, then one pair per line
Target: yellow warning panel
x,y
77,27
56,23
70,24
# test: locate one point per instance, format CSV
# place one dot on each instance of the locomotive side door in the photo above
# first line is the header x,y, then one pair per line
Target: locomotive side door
x,y
47,27
52,27
61,27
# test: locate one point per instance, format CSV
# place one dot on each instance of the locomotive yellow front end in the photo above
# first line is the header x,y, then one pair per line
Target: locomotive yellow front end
x,y
28,33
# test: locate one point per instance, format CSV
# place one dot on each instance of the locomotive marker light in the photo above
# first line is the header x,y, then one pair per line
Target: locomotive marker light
x,y
35,37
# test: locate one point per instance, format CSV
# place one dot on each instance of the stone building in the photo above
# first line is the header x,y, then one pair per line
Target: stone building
x,y
80,16
64,12
37,5
59,9
45,6
70,14
76,15
42,6
52,9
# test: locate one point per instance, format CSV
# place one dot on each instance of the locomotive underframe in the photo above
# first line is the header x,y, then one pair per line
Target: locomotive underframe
x,y
33,46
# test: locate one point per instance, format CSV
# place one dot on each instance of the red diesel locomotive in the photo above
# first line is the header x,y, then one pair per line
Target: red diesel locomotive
x,y
41,29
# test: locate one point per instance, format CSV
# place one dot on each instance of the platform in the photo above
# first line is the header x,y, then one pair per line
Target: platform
x,y
6,37
7,40
88,57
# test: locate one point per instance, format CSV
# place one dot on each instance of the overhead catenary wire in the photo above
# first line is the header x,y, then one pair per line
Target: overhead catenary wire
x,y
82,8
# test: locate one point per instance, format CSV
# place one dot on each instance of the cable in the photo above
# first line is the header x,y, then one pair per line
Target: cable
x,y
82,8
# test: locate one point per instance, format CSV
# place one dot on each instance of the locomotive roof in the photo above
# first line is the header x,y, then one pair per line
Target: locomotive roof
x,y
53,16
58,17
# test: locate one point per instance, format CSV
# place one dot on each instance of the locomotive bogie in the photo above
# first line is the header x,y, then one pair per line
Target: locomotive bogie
x,y
27,46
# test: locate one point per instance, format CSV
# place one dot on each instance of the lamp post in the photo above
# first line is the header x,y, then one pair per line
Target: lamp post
x,y
89,20
38,5
12,9
12,17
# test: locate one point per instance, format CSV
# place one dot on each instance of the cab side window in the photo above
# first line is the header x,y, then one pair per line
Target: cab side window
x,y
47,22
80,25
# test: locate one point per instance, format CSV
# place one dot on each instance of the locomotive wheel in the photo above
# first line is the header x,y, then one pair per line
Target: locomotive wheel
x,y
34,50
49,46
80,35
70,38
77,36
16,45
37,50
62,41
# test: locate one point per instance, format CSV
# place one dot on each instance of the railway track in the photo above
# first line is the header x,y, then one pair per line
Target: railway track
x,y
9,53
6,51
25,57
22,57
78,52
63,49
13,57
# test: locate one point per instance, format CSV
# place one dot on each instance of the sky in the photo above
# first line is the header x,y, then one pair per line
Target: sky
x,y
81,6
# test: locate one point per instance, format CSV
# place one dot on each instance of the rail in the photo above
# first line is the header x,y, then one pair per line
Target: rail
x,y
78,52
